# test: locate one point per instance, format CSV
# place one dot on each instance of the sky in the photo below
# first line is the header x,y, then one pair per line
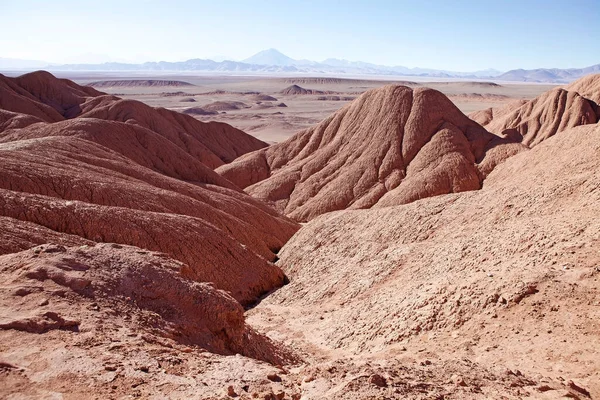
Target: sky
x,y
459,35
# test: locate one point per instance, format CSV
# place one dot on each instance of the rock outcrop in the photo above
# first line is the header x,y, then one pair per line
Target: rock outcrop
x,y
46,98
298,90
548,114
53,287
392,145
588,87
126,173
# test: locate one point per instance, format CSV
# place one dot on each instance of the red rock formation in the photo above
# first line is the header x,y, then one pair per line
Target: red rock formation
x,y
548,114
18,100
17,235
76,187
49,99
588,87
296,90
144,146
392,145
124,172
73,284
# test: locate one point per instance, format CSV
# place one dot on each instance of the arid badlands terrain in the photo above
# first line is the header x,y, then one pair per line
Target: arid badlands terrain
x,y
298,238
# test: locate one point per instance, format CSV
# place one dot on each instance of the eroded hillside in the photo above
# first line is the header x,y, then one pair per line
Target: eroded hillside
x,y
460,260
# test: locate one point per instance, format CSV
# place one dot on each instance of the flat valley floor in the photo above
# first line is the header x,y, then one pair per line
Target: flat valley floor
x,y
254,103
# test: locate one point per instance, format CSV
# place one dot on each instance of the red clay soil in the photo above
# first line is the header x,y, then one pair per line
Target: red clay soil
x,y
506,276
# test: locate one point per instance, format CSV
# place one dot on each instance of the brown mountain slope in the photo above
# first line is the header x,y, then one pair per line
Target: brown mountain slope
x,y
49,99
588,87
392,145
13,120
548,114
142,243
123,172
77,187
17,235
80,289
144,146
18,100
507,275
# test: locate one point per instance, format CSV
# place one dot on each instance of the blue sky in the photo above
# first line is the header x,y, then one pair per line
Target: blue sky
x,y
456,35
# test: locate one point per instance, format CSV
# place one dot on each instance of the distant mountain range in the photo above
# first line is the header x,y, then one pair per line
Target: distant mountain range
x,y
272,61
548,74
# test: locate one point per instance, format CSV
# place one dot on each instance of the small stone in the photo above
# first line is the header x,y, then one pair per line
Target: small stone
x,y
458,380
44,302
231,392
309,378
274,378
110,368
378,380
570,395
280,395
543,388
578,388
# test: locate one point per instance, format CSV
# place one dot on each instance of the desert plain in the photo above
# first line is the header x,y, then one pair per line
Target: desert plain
x,y
239,101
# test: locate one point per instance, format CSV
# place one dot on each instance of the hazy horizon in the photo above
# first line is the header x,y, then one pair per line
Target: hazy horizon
x,y
468,36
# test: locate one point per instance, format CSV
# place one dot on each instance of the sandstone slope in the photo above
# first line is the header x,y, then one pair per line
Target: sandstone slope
x,y
76,187
41,95
392,145
506,276
548,114
139,242
117,320
123,172
114,321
